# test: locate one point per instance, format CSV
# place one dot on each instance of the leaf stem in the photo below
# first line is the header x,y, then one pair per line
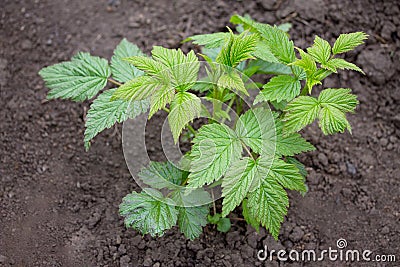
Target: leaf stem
x,y
114,81
213,201
229,108
304,91
191,129
166,109
237,219
247,150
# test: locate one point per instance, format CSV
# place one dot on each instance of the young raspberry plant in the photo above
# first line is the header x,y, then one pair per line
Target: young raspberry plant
x,y
250,156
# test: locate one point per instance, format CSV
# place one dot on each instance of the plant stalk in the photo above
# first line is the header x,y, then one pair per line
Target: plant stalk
x,y
114,81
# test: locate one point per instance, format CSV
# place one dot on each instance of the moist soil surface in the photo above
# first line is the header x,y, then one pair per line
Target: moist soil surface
x,y
59,204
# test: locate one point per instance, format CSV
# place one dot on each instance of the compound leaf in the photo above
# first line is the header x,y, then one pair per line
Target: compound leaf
x,y
184,108
160,98
306,62
292,144
300,112
146,64
211,40
335,103
104,113
214,148
287,175
340,98
121,70
268,205
148,212
339,63
191,220
237,49
263,52
232,81
320,51
248,216
79,79
332,120
243,176
348,41
256,129
278,42
281,87
160,175
139,88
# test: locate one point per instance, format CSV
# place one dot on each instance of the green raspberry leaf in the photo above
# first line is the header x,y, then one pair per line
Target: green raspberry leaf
x,y
320,51
248,216
184,109
264,67
139,88
104,113
306,62
191,220
161,175
287,175
160,98
121,70
215,147
300,166
146,64
214,219
79,79
192,209
335,103
237,49
243,176
268,205
348,41
148,212
281,87
232,81
332,120
340,98
278,42
256,129
292,144
212,40
339,63
263,52
300,112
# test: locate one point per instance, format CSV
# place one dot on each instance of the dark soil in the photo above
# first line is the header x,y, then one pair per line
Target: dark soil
x,y
59,205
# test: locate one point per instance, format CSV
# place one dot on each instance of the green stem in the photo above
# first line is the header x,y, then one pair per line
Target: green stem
x,y
166,109
229,108
191,129
114,81
305,90
213,201
247,150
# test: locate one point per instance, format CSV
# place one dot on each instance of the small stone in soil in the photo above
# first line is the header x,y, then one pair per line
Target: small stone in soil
x,y
124,261
147,262
3,259
26,44
323,159
385,230
351,169
297,234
